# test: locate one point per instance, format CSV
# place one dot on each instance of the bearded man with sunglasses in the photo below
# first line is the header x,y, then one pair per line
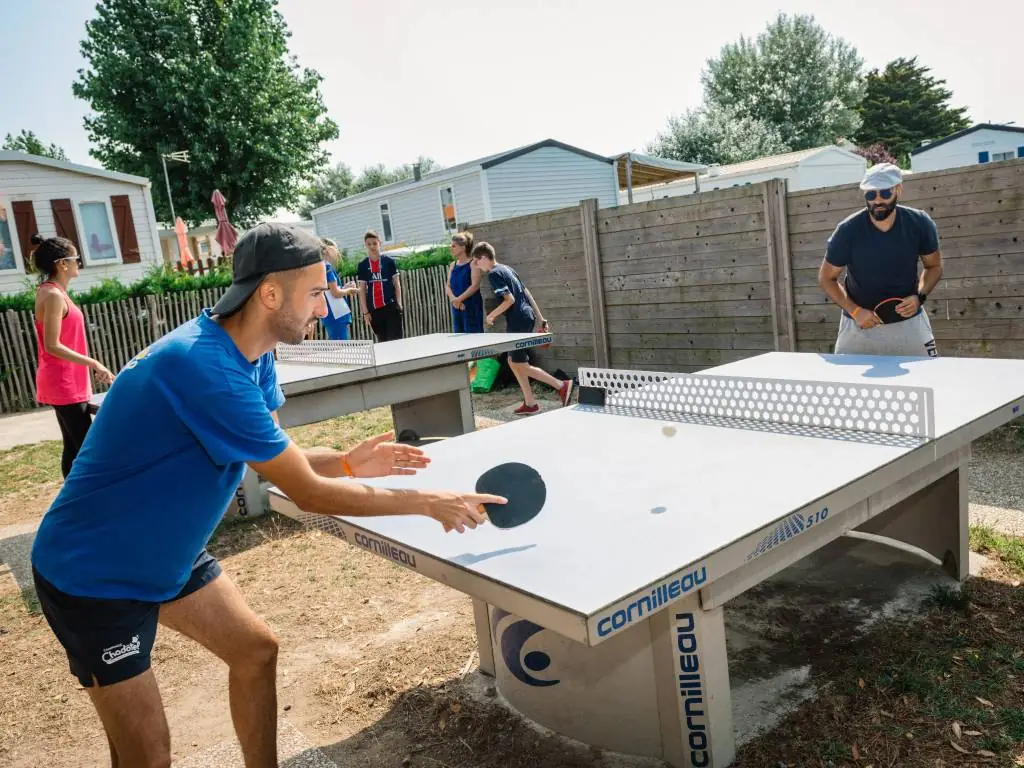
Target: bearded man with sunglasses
x,y
883,293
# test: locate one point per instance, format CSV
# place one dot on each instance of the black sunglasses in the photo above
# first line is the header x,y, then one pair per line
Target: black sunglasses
x,y
871,194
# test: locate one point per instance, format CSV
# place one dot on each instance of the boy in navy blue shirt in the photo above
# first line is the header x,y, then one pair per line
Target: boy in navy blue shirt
x,y
380,291
123,546
521,316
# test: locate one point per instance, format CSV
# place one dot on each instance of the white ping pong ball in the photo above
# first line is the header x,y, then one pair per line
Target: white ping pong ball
x,y
668,430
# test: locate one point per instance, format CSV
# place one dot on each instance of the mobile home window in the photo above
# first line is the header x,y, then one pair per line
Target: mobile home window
x,y
448,209
997,156
7,237
97,228
385,222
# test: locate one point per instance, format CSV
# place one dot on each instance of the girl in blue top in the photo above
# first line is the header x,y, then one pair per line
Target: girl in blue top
x,y
338,319
463,287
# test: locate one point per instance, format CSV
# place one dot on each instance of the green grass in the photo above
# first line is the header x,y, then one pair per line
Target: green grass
x,y
34,464
26,600
989,541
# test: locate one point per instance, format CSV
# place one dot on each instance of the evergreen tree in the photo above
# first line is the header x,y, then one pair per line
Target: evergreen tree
x,y
903,106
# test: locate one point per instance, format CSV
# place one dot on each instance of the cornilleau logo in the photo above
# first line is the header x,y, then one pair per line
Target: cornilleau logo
x,y
115,653
512,640
661,594
533,342
385,549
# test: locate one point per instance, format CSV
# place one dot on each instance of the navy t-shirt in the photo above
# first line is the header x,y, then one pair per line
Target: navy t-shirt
x,y
378,276
519,318
882,265
159,466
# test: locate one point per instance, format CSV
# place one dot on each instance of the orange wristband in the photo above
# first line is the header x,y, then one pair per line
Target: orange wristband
x,y
855,312
346,468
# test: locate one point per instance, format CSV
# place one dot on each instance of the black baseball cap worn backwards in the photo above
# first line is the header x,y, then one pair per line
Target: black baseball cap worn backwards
x,y
266,248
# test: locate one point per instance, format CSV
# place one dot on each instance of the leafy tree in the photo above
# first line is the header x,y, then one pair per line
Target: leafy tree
x,y
795,77
904,105
212,78
874,154
27,141
333,184
378,175
712,135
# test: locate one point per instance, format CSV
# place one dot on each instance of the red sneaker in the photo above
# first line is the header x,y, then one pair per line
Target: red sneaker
x,y
526,410
565,392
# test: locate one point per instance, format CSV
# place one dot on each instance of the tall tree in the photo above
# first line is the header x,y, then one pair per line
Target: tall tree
x,y
795,77
903,105
378,175
332,185
215,79
27,141
713,135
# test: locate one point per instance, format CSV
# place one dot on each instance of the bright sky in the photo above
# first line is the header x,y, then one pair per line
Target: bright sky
x,y
461,79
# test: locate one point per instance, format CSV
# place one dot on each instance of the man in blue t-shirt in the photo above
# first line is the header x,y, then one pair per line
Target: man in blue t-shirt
x,y
123,546
882,295
521,316
380,291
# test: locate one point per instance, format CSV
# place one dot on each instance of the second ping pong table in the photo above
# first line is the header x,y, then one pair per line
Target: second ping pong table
x,y
425,380
667,495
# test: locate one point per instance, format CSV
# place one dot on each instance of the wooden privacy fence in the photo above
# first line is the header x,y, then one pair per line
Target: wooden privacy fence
x,y
689,282
118,330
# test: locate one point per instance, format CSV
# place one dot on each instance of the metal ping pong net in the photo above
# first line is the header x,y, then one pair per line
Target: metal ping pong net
x,y
884,414
356,353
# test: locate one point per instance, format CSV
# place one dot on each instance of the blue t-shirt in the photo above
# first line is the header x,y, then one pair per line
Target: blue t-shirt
x,y
519,318
159,466
882,265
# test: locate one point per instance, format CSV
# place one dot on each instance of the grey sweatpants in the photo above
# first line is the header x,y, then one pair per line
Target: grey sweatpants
x,y
912,337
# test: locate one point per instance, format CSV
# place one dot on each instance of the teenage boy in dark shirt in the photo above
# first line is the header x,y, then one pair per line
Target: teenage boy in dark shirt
x,y
380,291
521,316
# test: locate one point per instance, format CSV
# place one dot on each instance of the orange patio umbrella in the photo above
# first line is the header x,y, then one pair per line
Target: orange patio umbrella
x,y
184,253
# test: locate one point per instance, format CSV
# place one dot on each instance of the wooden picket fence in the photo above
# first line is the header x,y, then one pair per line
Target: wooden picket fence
x,y
118,330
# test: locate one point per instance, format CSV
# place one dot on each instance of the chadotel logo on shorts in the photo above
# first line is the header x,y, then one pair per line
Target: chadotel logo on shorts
x,y
385,549
115,653
662,594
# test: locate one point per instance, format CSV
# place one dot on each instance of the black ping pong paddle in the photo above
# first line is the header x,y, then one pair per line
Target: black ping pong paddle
x,y
521,485
886,311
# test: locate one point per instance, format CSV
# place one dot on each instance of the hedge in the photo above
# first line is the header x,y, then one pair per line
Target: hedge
x,y
164,278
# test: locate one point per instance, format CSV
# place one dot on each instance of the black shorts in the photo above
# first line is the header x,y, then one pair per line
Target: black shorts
x,y
111,640
519,326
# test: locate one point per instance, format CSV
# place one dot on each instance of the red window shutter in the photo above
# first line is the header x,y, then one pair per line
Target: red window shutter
x,y
125,224
25,226
64,221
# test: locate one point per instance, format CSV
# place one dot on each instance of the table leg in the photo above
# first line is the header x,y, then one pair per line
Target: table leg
x,y
934,519
658,689
444,415
250,499
481,614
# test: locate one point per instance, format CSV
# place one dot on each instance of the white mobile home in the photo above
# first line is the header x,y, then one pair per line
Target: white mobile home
x,y
824,166
982,143
109,216
535,178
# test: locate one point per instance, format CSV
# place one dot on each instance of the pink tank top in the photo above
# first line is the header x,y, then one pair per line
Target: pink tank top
x,y
61,382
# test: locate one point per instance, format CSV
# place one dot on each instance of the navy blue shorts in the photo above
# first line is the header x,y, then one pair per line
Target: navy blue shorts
x,y
519,325
111,640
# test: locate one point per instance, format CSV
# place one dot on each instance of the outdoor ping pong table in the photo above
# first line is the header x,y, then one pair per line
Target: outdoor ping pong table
x,y
670,494
425,380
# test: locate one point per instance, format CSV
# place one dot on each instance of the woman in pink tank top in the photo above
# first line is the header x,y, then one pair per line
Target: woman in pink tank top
x,y
62,376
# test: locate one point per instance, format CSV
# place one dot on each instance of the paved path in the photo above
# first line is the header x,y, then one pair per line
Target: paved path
x,y
29,427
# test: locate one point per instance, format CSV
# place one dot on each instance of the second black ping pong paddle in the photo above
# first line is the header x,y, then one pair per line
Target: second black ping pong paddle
x,y
886,311
521,485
